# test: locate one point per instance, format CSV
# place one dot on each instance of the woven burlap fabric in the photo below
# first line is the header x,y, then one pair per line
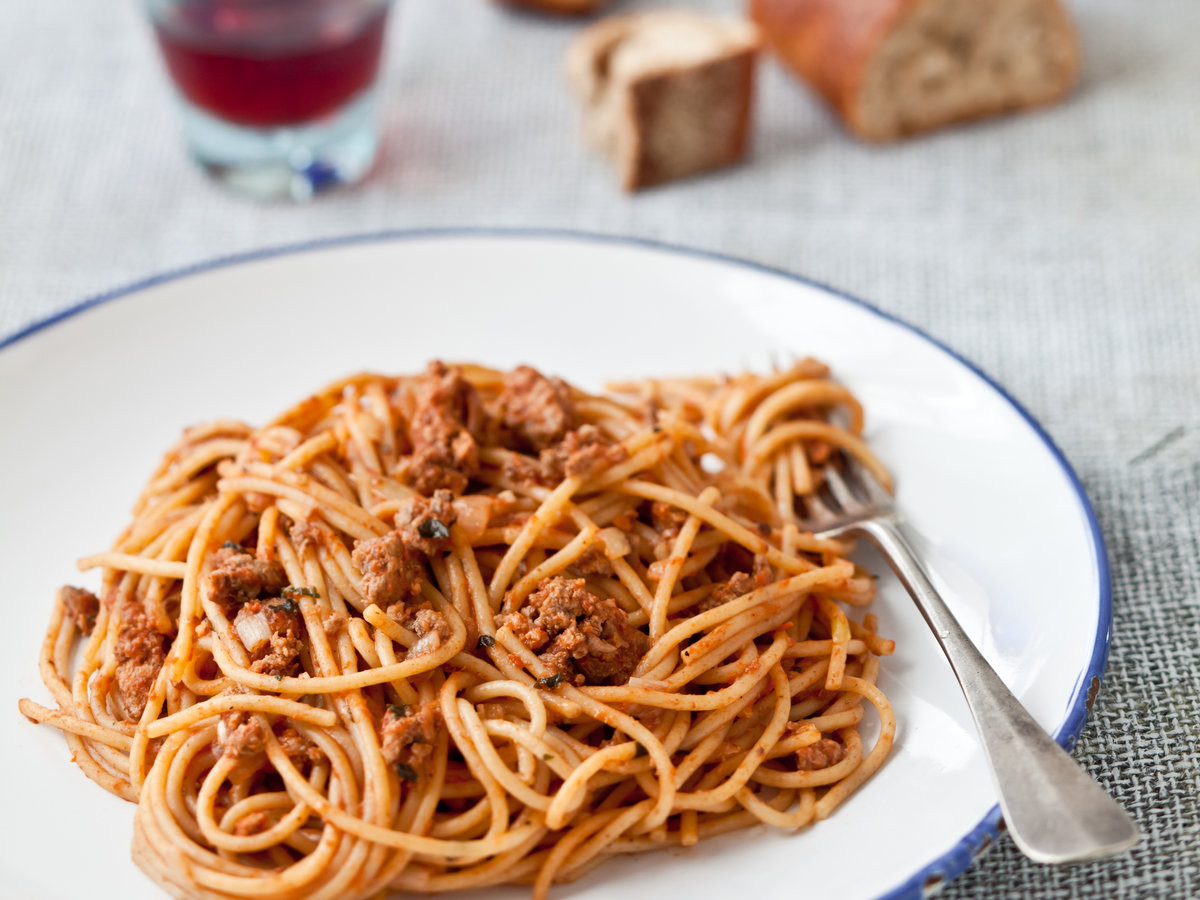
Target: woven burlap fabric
x,y
1060,250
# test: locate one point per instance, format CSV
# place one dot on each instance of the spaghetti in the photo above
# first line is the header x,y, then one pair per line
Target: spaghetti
x,y
470,627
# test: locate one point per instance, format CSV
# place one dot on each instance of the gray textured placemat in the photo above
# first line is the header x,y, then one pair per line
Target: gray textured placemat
x,y
1059,250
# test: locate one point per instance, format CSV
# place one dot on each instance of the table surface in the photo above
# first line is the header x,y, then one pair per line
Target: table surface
x,y
1059,250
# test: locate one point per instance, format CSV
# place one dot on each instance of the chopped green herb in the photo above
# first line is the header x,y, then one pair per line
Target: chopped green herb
x,y
433,529
234,545
405,771
485,641
552,682
287,606
547,756
398,710
279,678
302,591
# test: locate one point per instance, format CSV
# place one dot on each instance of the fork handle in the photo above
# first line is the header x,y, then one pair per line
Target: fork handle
x,y
1055,812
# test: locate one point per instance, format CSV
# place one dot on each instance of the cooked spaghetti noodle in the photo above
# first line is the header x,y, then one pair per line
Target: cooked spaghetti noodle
x,y
471,627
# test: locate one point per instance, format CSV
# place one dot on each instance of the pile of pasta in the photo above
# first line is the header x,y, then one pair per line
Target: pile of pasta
x,y
470,627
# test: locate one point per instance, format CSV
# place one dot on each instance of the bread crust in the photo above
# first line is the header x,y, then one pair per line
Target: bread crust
x,y
629,118
734,73
831,45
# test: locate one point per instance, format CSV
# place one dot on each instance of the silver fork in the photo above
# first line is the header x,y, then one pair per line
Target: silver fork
x,y
1054,810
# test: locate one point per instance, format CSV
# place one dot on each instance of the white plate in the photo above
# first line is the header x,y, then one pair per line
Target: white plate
x,y
90,400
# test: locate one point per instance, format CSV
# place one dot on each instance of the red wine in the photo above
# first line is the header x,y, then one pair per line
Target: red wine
x,y
259,73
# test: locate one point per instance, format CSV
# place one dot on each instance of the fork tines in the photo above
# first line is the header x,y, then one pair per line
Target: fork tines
x,y
848,493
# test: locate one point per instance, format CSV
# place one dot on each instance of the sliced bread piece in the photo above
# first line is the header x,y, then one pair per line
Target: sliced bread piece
x,y
897,67
665,94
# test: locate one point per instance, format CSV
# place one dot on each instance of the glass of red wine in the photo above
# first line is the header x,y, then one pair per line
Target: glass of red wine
x,y
279,97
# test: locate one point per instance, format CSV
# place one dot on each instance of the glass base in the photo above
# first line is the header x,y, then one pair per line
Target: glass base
x,y
287,162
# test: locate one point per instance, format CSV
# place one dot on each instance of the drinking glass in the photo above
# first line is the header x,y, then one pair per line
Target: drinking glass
x,y
279,97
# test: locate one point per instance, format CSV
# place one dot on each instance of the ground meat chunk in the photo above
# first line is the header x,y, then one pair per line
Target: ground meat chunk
x,y
333,622
240,735
491,710
255,823
305,534
429,621
738,584
523,471
447,417
538,410
299,749
594,561
139,652
424,525
238,577
391,571
82,606
280,654
741,583
667,519
583,452
821,755
577,634
406,735
432,631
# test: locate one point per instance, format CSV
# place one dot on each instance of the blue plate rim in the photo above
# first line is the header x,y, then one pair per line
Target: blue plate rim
x,y
951,863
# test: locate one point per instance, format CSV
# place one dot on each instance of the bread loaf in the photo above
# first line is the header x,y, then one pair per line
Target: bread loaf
x,y
897,67
665,94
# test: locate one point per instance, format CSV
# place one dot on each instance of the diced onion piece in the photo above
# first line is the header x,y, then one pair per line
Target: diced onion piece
x,y
426,644
473,514
657,569
370,427
252,629
615,541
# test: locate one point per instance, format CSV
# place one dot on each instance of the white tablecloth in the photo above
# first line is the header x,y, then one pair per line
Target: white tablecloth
x,y
1060,250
